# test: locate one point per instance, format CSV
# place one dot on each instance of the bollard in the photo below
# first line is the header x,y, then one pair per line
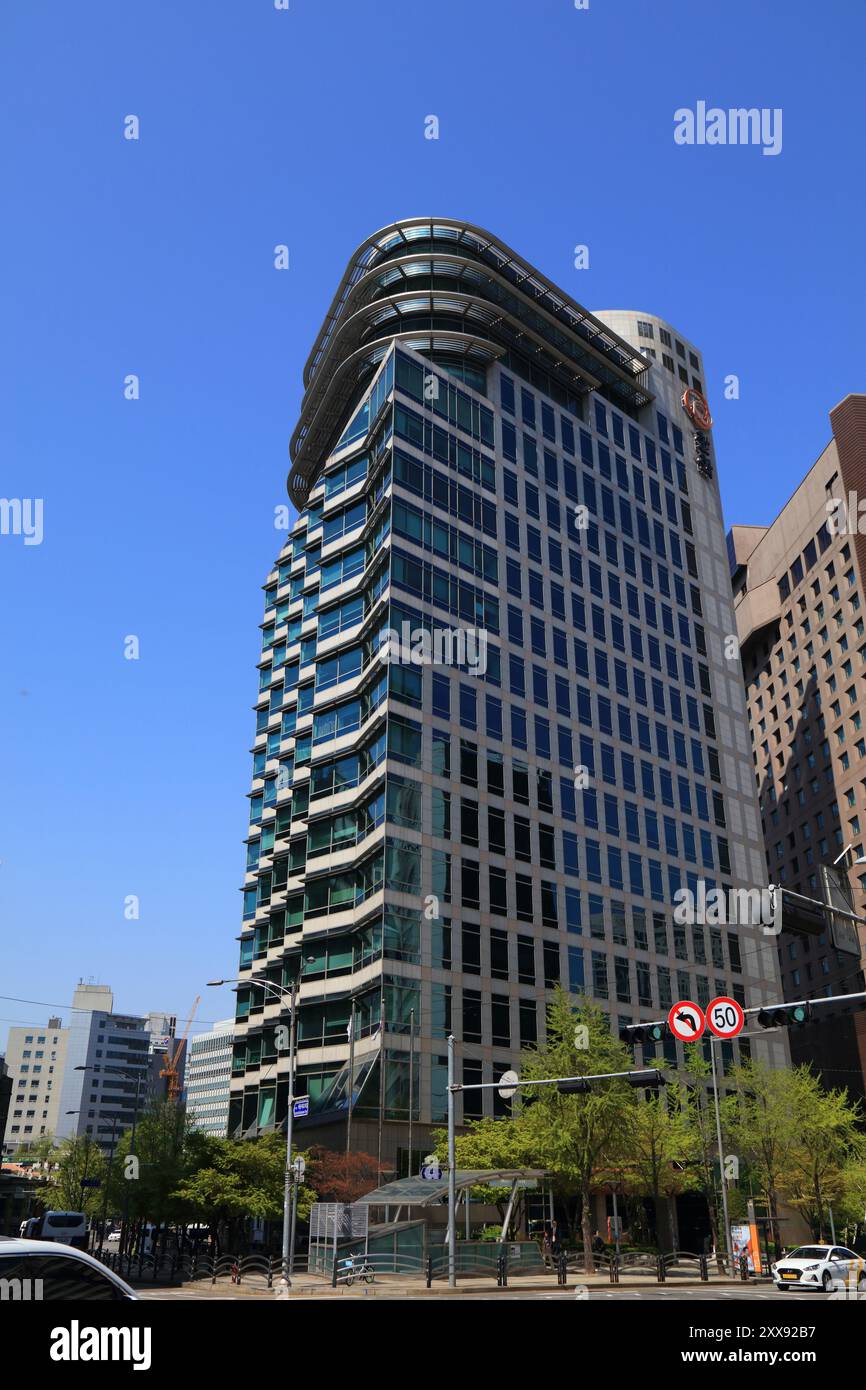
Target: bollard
x,y
614,1269
705,1273
660,1264
429,1271
334,1274
270,1271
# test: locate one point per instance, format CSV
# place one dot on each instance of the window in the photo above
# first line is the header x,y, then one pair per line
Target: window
x,y
63,1277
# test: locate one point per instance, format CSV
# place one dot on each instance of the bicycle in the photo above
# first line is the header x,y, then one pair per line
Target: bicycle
x,y
355,1271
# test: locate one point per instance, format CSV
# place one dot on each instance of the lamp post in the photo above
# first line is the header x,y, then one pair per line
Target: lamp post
x,y
729,1247
126,1076
107,1184
350,1031
280,991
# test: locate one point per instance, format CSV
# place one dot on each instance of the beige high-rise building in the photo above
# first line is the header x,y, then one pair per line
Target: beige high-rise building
x,y
36,1057
434,844
799,602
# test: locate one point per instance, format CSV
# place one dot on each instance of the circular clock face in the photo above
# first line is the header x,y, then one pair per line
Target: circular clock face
x,y
695,406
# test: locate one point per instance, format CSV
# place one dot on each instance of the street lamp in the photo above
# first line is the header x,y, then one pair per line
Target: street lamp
x,y
861,858
281,991
104,1217
126,1076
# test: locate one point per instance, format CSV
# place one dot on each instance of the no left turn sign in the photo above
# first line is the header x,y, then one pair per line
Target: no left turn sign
x,y
725,1017
686,1021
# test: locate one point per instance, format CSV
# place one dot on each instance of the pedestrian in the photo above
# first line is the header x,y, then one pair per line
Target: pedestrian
x,y
597,1244
545,1246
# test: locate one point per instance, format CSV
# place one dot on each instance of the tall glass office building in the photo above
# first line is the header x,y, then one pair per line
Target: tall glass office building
x,y
508,792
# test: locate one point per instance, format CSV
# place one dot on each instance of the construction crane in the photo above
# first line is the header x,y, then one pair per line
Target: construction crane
x,y
170,1069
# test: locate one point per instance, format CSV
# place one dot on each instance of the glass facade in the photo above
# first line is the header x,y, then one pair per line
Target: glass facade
x,y
494,735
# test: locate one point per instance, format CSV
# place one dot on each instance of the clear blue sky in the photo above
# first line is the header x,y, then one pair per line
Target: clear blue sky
x,y
305,127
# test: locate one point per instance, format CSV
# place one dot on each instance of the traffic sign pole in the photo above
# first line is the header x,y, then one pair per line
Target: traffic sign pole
x,y
722,1180
452,1171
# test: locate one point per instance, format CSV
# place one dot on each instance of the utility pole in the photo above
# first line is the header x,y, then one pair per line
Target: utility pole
x,y
287,1190
411,1085
280,991
452,1171
728,1245
107,1183
351,1081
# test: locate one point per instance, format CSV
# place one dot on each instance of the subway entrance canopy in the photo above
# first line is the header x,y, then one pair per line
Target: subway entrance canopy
x,y
424,1192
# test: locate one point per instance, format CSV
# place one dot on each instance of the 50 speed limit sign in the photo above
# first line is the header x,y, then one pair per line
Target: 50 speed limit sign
x,y
725,1018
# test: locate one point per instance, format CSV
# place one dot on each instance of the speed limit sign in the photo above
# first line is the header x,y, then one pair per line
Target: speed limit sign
x,y
725,1018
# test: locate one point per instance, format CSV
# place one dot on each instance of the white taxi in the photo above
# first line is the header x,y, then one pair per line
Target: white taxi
x,y
820,1267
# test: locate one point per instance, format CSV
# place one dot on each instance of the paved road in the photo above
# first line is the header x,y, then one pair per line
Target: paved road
x,y
653,1292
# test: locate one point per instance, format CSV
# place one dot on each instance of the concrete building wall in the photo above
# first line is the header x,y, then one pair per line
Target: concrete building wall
x,y
106,1053
36,1058
208,1072
798,592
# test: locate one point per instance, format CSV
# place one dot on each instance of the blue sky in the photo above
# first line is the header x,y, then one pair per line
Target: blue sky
x,y
155,257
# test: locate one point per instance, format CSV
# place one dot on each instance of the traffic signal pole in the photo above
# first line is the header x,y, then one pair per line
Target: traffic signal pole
x,y
722,1176
771,1020
647,1076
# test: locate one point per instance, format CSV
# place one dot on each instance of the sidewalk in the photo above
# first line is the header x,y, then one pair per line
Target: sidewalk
x,y
412,1286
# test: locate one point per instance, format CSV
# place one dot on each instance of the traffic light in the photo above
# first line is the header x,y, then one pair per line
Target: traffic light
x,y
783,1015
643,1033
652,1077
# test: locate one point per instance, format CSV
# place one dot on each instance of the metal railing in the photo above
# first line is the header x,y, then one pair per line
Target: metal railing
x,y
172,1267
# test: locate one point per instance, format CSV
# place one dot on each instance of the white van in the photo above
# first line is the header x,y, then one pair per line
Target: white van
x,y
66,1227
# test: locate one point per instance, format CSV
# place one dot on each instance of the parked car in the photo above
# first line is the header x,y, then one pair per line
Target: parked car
x,y
59,1274
820,1266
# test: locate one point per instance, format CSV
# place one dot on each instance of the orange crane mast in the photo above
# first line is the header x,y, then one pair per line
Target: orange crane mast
x,y
170,1069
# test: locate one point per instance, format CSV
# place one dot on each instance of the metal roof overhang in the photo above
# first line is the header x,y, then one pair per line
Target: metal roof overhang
x,y
421,1192
590,352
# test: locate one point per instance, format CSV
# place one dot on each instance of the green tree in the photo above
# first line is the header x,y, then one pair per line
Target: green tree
x,y
765,1115
697,1106
489,1143
660,1143
829,1141
572,1135
142,1184
74,1160
238,1180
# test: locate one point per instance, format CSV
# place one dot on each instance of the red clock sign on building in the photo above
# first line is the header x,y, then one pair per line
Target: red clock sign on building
x,y
696,407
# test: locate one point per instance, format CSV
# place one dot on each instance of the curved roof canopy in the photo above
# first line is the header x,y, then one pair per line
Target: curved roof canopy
x,y
448,287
